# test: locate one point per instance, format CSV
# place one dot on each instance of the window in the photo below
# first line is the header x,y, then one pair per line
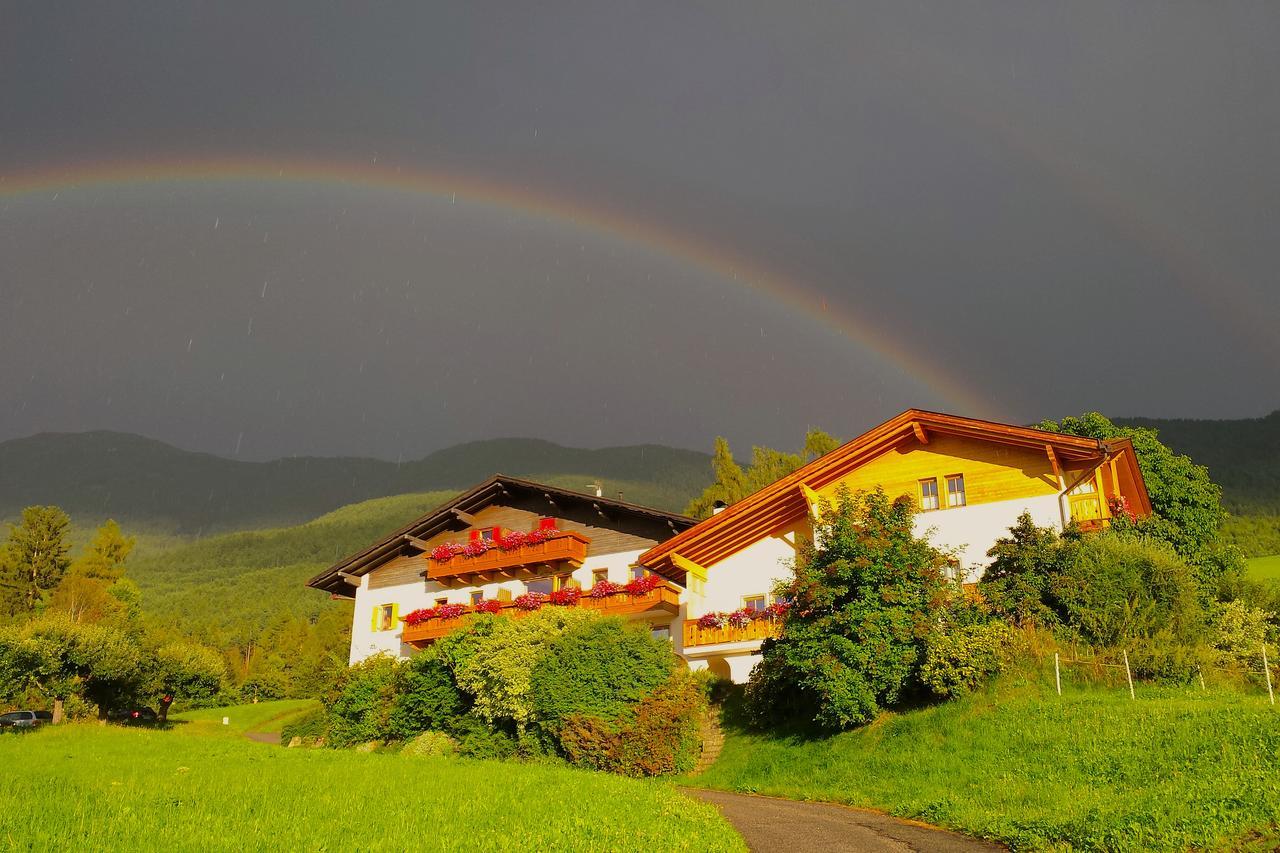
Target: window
x,y
928,494
598,575
477,597
638,572
955,490
661,632
384,616
1086,488
565,581
754,602
441,602
488,534
546,586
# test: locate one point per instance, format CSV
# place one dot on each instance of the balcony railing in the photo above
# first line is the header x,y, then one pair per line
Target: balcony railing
x,y
567,548
758,629
663,599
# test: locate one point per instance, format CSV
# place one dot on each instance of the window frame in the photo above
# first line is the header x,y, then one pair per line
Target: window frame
x,y
962,491
937,495
749,600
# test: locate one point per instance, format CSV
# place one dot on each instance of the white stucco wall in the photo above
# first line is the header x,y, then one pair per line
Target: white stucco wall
x,y
412,595
971,530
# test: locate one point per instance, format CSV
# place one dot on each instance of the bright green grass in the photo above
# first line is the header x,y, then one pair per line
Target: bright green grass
x,y
262,717
1092,770
1265,567
129,789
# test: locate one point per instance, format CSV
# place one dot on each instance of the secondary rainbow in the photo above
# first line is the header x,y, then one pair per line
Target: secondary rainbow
x,y
746,272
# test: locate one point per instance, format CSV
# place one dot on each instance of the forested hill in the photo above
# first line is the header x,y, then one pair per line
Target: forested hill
x,y
1243,456
147,484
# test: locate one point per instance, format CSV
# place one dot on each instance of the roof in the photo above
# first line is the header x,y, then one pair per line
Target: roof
x,y
499,488
783,502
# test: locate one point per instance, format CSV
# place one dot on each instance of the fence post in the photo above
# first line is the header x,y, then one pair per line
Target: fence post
x,y
1266,668
1057,675
1128,674
1201,672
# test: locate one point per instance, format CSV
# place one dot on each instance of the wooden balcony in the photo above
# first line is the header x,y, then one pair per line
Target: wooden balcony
x,y
566,550
759,629
660,601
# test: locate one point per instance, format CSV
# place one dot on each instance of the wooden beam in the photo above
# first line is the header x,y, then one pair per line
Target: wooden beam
x,y
550,499
354,580
921,435
599,511
1053,460
420,544
465,517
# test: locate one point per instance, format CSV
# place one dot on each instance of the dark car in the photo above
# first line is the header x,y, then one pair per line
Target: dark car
x,y
138,717
24,719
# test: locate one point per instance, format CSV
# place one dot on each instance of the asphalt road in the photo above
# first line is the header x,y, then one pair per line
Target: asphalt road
x,y
772,825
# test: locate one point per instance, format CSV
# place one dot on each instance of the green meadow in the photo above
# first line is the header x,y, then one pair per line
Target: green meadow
x,y
1265,567
201,786
1092,770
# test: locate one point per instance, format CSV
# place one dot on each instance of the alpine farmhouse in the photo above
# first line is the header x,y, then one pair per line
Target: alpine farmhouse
x,y
510,546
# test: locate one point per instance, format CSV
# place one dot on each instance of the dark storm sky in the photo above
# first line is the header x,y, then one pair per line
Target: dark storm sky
x,y
1050,207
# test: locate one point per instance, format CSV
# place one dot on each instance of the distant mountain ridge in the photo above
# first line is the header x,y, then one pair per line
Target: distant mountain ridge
x,y
150,484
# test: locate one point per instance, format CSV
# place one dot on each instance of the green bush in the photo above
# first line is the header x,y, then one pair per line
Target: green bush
x,y
477,739
961,658
311,726
662,734
497,669
1238,633
430,744
598,668
361,710
426,697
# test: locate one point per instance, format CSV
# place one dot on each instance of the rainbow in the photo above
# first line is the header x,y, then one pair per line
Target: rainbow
x,y
733,268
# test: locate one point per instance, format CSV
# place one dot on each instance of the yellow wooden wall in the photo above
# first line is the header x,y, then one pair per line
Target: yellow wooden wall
x,y
992,472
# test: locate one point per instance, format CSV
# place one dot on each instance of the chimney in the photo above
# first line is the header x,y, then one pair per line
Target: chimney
x,y
599,489
718,507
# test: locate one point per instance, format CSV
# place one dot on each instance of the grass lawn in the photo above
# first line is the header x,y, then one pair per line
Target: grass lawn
x,y
1265,567
202,788
1091,770
262,717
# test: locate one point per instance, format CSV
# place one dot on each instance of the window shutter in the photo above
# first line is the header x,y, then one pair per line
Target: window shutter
x,y
473,534
546,524
395,616
374,624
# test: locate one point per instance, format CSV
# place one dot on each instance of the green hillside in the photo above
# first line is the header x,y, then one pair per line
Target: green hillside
x,y
151,486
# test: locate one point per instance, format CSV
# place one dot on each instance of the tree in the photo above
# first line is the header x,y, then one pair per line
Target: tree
x,y
1019,581
732,483
36,555
1186,505
186,671
100,663
863,602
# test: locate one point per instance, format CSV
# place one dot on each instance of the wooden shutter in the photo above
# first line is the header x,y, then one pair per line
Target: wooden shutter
x,y
377,611
395,616
546,523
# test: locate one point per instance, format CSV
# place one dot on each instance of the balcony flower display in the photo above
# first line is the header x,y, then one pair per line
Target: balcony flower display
x,y
711,621
450,611
475,548
777,610
489,605
604,589
1120,508
417,617
447,551
643,585
531,601
566,597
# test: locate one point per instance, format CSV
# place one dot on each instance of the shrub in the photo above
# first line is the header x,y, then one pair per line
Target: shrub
x,y
496,666
661,736
601,668
862,605
426,697
961,657
430,744
311,726
361,710
476,739
1238,633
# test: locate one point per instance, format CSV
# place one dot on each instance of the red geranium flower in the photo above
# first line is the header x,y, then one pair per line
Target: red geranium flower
x,y
604,589
489,605
644,585
531,601
566,597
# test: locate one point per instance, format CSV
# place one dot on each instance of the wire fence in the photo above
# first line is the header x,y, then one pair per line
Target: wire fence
x,y
1263,669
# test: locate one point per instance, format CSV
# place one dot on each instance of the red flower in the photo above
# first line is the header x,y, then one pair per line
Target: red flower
x,y
643,585
711,620
446,552
565,597
476,547
1120,507
741,618
489,605
513,540
450,611
531,601
777,610
604,589
417,617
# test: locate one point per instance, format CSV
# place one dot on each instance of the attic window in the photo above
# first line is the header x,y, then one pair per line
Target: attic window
x,y
929,494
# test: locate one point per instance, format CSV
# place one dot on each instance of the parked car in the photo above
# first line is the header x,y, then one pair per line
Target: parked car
x,y
24,719
138,717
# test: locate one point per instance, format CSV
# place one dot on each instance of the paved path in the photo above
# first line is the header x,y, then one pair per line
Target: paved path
x,y
264,737
772,825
